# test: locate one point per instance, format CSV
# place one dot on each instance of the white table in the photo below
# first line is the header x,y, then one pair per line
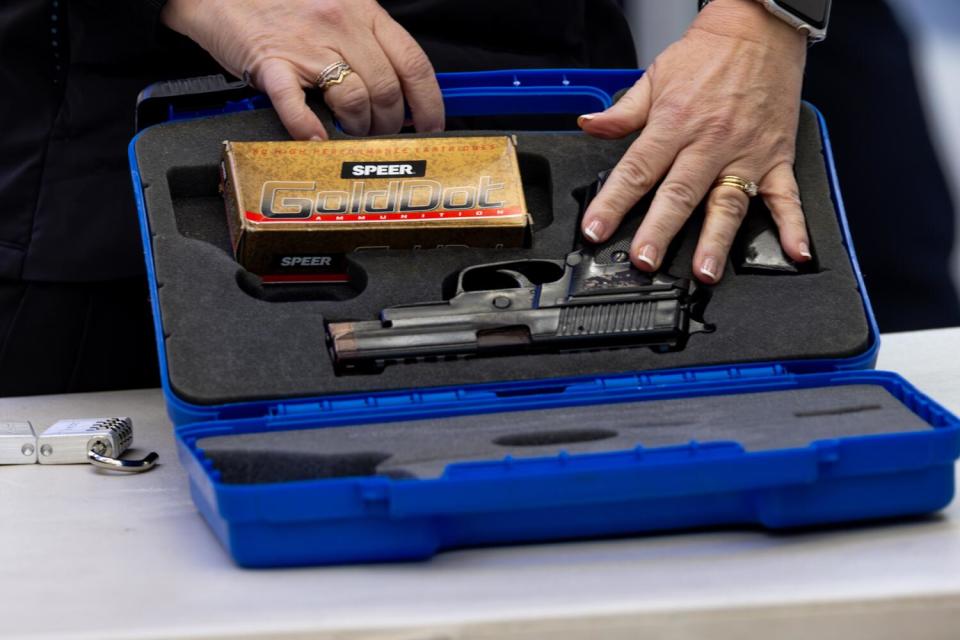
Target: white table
x,y
87,555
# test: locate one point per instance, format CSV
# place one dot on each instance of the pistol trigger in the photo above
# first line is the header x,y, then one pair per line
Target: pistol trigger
x,y
521,280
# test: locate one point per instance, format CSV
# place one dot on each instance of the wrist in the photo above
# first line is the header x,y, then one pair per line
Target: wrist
x,y
749,20
181,15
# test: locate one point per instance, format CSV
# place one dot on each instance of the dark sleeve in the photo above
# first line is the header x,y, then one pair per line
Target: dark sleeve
x,y
142,15
149,10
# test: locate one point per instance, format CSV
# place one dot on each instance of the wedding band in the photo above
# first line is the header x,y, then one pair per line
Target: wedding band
x,y
332,74
747,186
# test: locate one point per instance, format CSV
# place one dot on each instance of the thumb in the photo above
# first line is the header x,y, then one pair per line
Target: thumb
x,y
625,116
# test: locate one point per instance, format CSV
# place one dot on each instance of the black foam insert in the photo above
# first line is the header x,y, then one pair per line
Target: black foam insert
x,y
424,448
229,339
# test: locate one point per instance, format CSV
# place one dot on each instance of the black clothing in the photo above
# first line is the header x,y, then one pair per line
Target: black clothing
x,y
77,66
899,206
63,338
517,34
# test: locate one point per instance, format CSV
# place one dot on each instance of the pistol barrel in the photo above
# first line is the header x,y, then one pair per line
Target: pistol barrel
x,y
359,342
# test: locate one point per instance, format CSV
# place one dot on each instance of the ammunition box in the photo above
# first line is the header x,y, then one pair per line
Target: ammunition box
x,y
295,209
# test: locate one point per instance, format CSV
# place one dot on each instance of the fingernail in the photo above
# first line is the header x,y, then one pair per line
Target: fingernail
x,y
316,139
648,254
709,268
805,250
587,117
594,230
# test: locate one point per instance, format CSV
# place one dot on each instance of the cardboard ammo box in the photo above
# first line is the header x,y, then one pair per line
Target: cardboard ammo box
x,y
295,209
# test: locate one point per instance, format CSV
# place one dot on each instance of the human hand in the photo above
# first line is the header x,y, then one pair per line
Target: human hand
x,y
284,45
723,100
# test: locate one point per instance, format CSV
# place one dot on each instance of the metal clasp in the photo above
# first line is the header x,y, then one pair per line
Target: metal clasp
x,y
125,466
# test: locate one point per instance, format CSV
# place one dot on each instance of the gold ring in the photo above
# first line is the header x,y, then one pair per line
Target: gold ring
x,y
747,186
332,74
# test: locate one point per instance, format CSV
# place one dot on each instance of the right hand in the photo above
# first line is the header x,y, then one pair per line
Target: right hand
x,y
284,44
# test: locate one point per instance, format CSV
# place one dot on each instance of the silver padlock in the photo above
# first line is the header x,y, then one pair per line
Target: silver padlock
x,y
99,441
18,443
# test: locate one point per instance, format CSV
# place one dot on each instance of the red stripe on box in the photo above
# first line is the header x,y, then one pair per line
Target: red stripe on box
x,y
395,216
305,278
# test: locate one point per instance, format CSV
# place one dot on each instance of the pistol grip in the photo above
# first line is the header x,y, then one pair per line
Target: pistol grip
x,y
757,248
616,249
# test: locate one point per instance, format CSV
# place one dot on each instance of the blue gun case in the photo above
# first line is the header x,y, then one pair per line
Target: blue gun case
x,y
774,419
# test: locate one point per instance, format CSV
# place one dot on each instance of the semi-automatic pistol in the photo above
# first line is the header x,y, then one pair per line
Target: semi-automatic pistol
x,y
594,298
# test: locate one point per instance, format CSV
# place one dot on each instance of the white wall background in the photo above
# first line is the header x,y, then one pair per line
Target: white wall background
x,y
935,29
657,23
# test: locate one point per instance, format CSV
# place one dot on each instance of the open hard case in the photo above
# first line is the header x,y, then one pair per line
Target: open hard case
x,y
773,420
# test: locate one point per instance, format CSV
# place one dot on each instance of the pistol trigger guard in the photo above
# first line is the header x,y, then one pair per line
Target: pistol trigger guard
x,y
522,281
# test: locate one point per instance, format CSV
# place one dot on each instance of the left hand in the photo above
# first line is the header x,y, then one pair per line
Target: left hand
x,y
723,100
283,46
